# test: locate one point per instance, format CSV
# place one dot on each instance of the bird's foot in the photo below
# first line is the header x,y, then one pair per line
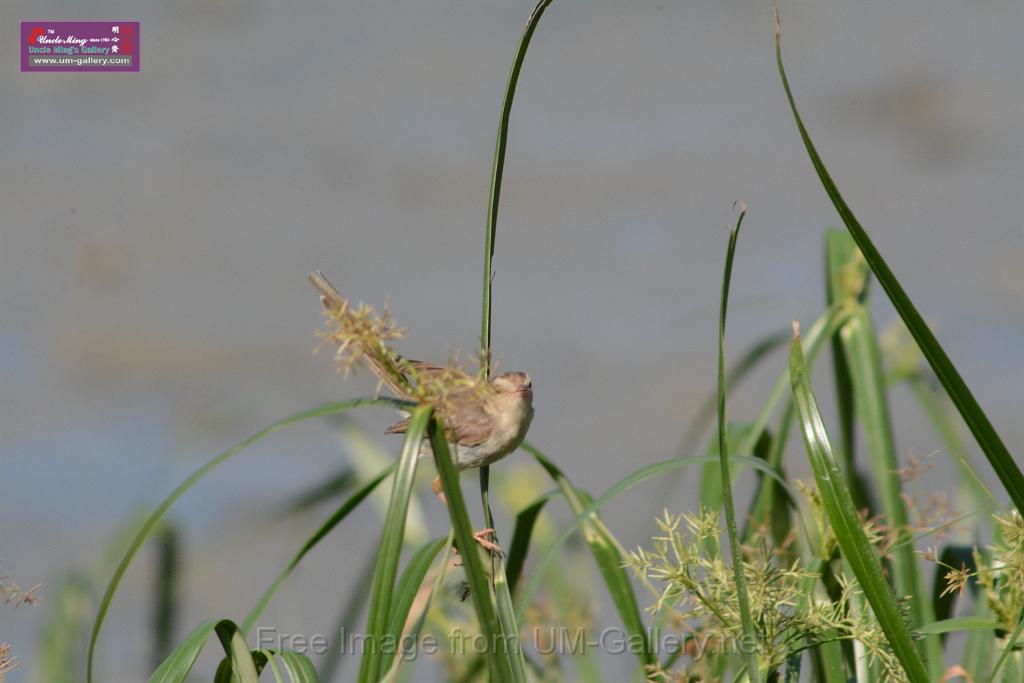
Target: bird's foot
x,y
490,546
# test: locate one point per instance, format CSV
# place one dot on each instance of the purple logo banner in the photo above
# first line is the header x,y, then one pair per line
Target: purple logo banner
x,y
107,45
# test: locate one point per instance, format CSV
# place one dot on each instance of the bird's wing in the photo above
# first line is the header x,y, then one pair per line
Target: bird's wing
x,y
473,425
399,427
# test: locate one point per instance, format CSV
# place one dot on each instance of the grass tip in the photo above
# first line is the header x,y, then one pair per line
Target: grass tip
x,y
796,329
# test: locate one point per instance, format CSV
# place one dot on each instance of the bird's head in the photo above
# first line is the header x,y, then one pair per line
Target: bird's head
x,y
513,384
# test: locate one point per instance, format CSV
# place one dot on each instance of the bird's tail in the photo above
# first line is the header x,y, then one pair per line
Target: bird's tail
x,y
330,297
388,366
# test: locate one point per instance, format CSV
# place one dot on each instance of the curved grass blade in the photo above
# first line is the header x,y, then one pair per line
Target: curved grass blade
x,y
846,523
526,521
499,582
178,665
408,587
161,510
860,346
820,329
64,629
608,556
977,421
609,559
411,631
390,548
498,172
298,666
502,646
846,276
165,591
711,473
241,663
736,556
354,500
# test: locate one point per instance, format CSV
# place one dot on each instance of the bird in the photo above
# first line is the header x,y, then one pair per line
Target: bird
x,y
485,421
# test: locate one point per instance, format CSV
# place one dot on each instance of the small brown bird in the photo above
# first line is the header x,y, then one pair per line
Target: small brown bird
x,y
486,421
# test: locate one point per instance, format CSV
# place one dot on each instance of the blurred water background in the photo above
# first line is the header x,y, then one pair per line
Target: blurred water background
x,y
156,229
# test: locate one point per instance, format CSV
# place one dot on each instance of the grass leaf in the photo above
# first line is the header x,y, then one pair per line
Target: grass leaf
x,y
736,556
977,421
408,587
608,556
526,521
860,346
354,500
501,646
151,522
390,549
846,523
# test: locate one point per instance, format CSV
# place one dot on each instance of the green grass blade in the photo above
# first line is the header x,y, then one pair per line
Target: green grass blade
x,y
176,668
846,276
498,172
58,656
955,624
298,666
341,513
766,492
390,549
165,592
526,521
736,556
608,556
154,518
410,630
499,644
499,580
609,559
820,330
769,505
860,345
274,668
1011,642
846,523
243,667
240,663
978,423
407,589
711,474
507,619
